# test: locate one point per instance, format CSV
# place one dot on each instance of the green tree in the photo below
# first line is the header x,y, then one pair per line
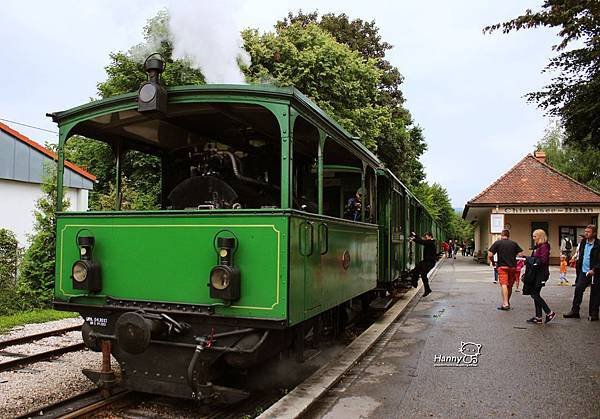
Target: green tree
x,y
36,276
574,94
363,37
579,163
437,202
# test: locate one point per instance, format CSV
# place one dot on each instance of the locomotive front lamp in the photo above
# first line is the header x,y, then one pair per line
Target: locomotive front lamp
x,y
225,278
85,273
152,95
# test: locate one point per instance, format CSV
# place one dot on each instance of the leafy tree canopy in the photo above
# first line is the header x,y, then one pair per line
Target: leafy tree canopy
x,y
437,202
579,163
574,94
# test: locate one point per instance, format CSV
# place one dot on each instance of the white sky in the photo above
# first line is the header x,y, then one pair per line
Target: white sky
x,y
464,88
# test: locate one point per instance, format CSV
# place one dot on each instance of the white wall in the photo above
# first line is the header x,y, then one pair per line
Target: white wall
x,y
17,202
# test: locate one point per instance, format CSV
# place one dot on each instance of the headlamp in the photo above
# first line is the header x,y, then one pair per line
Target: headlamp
x,y
220,277
152,95
85,273
224,279
80,271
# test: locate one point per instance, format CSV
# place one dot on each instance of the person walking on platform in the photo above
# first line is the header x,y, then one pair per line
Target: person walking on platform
x,y
428,262
507,252
539,276
588,274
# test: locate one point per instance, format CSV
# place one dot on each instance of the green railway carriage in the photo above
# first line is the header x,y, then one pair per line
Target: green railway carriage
x,y
252,249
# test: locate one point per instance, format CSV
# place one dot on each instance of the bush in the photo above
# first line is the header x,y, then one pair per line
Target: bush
x,y
36,274
9,259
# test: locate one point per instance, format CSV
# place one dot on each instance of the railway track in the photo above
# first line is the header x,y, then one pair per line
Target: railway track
x,y
38,336
132,405
82,405
20,359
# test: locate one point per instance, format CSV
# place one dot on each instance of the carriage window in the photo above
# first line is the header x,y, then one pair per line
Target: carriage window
x,y
305,177
343,195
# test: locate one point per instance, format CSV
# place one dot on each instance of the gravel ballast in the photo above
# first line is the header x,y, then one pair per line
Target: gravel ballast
x,y
34,385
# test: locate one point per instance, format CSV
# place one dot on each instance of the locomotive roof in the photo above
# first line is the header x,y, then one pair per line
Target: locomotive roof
x,y
290,94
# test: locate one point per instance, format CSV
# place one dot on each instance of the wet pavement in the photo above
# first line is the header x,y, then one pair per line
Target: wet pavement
x,y
429,363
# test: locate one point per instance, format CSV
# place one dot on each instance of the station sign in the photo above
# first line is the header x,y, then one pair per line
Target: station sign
x,y
496,223
549,210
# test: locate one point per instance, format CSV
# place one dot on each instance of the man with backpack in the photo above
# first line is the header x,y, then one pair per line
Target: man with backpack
x,y
566,246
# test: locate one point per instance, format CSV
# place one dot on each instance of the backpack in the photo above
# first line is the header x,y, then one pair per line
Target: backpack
x,y
568,245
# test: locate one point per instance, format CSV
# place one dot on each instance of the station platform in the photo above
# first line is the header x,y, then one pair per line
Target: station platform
x,y
520,369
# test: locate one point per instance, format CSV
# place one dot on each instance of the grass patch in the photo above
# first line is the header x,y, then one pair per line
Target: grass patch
x,y
35,316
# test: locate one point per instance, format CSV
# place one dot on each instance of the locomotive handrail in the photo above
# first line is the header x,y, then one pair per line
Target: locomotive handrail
x,y
324,227
302,233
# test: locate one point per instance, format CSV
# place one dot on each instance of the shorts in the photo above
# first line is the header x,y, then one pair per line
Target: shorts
x,y
507,276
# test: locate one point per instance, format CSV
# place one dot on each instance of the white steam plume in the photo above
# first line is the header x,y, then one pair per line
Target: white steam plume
x,y
205,34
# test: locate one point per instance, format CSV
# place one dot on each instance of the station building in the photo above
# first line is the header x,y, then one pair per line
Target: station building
x,y
532,195
23,166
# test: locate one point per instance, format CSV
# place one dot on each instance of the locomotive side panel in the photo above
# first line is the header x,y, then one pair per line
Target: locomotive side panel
x,y
340,264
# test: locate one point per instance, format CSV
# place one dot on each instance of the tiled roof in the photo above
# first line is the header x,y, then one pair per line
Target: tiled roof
x,y
44,150
533,182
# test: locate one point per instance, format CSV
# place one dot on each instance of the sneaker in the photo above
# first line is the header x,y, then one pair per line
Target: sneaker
x,y
535,320
426,293
550,316
571,315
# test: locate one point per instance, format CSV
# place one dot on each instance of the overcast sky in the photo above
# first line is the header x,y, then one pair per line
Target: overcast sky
x,y
464,88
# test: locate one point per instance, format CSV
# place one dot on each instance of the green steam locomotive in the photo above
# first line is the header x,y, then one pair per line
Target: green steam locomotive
x,y
275,223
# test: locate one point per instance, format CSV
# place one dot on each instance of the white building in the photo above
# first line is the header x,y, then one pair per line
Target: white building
x,y
23,165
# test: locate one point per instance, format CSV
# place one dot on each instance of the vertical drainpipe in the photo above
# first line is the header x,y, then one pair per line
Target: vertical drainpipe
x,y
322,138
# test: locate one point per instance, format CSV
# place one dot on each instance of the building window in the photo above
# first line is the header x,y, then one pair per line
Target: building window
x,y
570,232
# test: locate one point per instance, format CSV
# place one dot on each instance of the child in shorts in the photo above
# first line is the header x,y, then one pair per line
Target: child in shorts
x,y
563,270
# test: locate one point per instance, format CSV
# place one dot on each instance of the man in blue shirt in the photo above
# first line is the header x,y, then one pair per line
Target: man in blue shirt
x,y
588,274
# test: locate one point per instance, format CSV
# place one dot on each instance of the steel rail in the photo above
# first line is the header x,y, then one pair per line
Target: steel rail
x,y
30,338
30,359
78,405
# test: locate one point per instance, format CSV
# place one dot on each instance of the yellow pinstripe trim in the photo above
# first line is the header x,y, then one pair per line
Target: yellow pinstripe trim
x,y
60,281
